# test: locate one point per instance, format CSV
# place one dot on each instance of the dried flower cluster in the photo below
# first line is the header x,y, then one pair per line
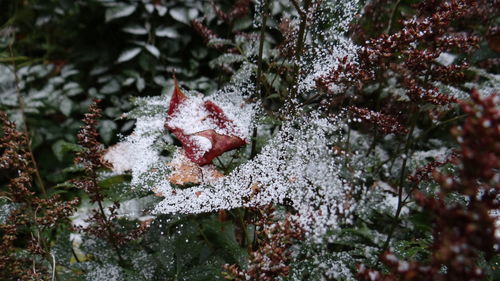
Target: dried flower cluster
x,y
425,173
273,239
101,224
461,232
32,214
239,9
204,31
384,123
411,54
91,155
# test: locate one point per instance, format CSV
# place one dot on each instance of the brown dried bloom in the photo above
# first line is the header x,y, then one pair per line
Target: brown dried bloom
x,y
383,122
462,232
32,214
270,260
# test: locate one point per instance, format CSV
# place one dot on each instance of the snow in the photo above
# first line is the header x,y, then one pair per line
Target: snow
x,y
192,117
295,167
373,275
446,59
203,144
120,157
325,58
106,272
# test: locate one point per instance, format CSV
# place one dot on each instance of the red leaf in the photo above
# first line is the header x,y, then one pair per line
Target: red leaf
x,y
177,98
195,145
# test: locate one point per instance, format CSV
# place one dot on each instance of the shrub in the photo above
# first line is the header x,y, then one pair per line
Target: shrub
x,y
260,140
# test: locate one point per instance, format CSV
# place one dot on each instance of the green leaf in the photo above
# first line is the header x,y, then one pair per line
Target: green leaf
x,y
107,129
135,29
13,59
199,53
222,235
57,148
66,106
273,96
242,23
140,84
226,59
219,41
112,181
119,11
71,147
128,54
164,31
61,148
153,50
183,14
74,169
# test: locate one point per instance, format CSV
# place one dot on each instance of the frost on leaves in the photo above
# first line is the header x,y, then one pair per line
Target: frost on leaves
x,y
297,168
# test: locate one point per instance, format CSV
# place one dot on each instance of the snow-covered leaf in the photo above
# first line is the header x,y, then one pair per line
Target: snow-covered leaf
x,y
70,85
128,81
202,127
150,8
73,92
68,71
6,208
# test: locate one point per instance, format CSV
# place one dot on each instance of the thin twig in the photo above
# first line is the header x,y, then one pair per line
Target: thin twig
x,y
74,254
264,13
220,163
53,267
108,228
374,141
299,46
391,19
297,7
253,150
402,180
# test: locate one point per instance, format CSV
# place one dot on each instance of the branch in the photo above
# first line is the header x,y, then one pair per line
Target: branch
x,y
264,12
299,46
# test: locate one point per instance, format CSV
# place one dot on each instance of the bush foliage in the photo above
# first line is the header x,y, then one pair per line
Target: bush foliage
x,y
249,140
